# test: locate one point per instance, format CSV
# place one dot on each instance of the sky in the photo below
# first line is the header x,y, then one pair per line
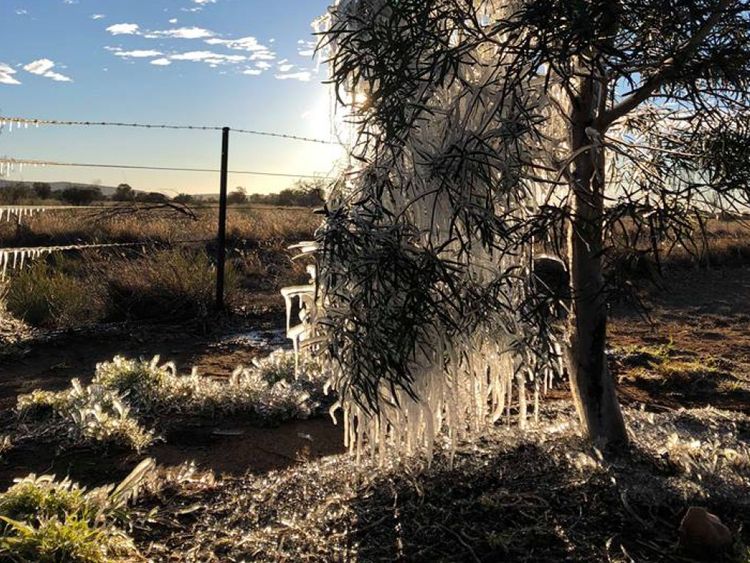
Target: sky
x,y
245,64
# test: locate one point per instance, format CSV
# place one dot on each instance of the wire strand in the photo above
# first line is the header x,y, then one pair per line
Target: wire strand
x,y
26,121
29,162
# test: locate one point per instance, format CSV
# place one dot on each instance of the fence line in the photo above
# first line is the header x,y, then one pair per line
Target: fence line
x,y
36,163
7,164
15,257
26,121
19,255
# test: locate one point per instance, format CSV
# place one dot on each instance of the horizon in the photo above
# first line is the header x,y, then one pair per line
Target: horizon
x,y
244,64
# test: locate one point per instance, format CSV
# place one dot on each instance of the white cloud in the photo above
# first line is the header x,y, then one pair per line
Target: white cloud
x,y
181,33
263,65
250,44
204,2
306,48
285,68
303,76
208,57
43,67
242,44
139,54
123,29
98,16
252,71
22,12
57,77
173,21
161,62
39,67
6,75
262,56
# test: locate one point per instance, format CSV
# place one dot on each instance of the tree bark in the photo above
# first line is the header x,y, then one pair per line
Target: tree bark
x,y
591,383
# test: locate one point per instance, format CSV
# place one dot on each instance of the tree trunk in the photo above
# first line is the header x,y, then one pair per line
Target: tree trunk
x,y
591,382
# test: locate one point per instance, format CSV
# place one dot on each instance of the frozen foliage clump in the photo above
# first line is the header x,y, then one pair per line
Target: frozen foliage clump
x,y
125,393
269,389
705,445
425,305
49,520
91,416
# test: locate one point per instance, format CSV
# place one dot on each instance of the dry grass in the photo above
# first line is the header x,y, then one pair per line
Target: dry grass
x,y
161,281
539,495
246,227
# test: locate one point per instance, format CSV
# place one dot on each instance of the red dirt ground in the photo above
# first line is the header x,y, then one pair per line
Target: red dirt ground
x,y
702,316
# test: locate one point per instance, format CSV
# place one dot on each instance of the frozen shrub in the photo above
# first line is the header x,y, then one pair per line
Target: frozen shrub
x,y
44,520
145,383
90,416
268,390
124,392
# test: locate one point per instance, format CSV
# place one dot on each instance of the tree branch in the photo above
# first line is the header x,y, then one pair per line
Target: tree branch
x,y
665,73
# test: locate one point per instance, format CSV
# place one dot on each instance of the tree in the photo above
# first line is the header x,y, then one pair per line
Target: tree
x,y
123,192
81,195
483,130
183,199
238,196
16,192
151,197
42,190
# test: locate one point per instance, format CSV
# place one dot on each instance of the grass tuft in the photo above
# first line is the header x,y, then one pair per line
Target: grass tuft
x,y
46,296
48,521
125,393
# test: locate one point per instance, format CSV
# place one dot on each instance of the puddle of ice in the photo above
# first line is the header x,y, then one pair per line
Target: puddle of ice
x,y
259,339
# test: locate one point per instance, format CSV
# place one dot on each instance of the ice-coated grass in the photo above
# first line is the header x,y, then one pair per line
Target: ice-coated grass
x,y
46,520
126,395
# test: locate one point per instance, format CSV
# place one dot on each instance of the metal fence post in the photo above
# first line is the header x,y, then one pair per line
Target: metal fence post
x,y
221,250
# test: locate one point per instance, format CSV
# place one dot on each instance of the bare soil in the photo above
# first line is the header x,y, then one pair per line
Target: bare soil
x,y
702,318
226,446
701,323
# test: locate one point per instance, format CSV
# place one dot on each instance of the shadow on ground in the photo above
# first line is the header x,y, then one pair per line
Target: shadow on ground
x,y
510,496
231,447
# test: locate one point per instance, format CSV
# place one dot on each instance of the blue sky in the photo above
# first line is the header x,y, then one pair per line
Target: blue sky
x,y
241,63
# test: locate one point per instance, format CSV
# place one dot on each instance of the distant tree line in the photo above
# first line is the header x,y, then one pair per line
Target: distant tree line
x,y
302,194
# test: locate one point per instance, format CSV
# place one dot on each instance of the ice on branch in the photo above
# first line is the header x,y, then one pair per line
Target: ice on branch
x,y
423,306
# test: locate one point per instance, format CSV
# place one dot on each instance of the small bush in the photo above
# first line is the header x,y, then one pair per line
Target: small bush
x,y
48,521
84,416
268,390
110,411
168,285
46,296
42,496
144,383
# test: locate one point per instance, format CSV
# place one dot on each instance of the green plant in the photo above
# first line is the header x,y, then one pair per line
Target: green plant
x,y
47,296
144,383
49,521
169,285
269,389
110,411
52,540
91,416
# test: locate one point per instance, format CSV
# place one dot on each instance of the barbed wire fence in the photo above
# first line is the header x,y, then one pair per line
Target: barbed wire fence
x,y
11,258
